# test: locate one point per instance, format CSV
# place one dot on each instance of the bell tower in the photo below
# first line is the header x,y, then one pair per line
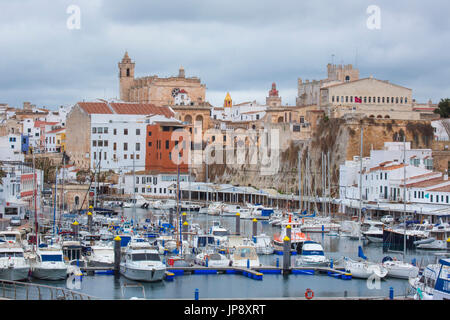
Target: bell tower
x,y
126,77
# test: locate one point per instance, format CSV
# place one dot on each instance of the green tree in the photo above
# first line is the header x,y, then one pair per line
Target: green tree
x,y
443,108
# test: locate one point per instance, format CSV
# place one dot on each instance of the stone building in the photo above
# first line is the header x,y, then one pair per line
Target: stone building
x,y
155,90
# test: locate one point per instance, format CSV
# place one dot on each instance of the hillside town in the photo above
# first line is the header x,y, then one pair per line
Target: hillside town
x,y
118,139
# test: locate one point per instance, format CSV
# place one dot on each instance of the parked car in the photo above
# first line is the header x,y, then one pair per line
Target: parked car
x,y
406,218
387,219
15,221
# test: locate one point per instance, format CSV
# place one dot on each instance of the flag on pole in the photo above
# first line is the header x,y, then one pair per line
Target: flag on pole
x,y
358,100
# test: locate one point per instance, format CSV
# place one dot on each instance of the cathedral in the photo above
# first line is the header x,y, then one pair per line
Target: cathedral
x,y
177,90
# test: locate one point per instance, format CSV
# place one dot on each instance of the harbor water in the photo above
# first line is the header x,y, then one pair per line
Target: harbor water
x,y
235,286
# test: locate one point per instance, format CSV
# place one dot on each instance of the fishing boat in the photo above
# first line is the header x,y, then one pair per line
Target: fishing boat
x,y
298,238
142,262
312,255
13,265
245,256
49,263
399,269
433,283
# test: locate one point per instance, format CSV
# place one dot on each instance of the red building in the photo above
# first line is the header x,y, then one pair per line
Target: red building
x,y
164,145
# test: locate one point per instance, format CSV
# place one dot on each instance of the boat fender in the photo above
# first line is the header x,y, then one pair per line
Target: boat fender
x,y
309,294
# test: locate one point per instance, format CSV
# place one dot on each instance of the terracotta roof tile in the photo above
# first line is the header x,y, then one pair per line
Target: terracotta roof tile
x,y
426,183
442,189
95,107
141,108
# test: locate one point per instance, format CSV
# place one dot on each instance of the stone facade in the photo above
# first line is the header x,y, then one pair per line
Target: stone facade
x,y
155,90
78,137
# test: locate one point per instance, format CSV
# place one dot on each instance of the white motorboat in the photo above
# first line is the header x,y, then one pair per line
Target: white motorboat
x,y
211,259
297,237
259,212
219,233
231,210
215,209
374,234
364,269
13,265
433,283
201,241
323,225
142,262
139,202
438,238
244,256
399,269
312,255
11,236
102,255
49,263
263,244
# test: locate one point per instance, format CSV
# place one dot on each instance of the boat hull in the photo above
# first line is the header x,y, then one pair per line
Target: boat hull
x,y
146,275
395,240
53,274
14,274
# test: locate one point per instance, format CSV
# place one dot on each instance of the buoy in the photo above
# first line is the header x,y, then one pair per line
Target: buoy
x,y
309,294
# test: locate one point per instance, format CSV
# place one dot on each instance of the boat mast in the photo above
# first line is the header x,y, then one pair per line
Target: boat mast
x,y
178,204
360,182
54,204
35,203
404,195
300,203
134,191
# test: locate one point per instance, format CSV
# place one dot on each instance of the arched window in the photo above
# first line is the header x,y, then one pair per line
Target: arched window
x,y
128,72
387,117
379,116
347,79
188,119
280,119
77,201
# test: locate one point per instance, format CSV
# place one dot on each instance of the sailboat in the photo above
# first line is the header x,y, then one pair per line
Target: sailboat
x,y
398,268
363,268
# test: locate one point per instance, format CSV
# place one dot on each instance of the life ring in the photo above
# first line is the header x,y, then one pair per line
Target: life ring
x,y
309,294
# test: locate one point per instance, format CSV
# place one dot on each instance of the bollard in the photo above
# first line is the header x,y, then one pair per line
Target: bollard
x,y
183,218
117,255
207,261
75,226
89,214
238,223
331,263
286,254
185,230
255,228
196,294
289,234
278,262
448,243
248,263
323,228
391,293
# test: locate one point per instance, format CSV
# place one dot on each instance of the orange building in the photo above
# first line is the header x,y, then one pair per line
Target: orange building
x,y
163,146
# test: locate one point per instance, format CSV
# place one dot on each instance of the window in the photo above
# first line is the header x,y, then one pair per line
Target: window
x,y
138,146
337,99
131,156
378,99
137,157
383,99
125,132
370,99
351,98
95,156
149,133
143,190
115,131
100,130
332,99
100,143
125,146
346,98
105,130
150,144
94,143
170,155
415,194
138,132
104,154
114,146
385,176
137,180
125,156
167,144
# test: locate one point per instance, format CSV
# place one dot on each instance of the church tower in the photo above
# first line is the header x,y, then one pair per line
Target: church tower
x,y
228,102
126,76
273,100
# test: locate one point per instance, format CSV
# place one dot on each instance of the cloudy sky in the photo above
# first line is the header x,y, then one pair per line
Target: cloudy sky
x,y
240,46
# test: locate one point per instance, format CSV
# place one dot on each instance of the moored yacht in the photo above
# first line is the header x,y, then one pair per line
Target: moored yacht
x,y
399,269
433,283
13,265
142,262
312,255
364,269
49,263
